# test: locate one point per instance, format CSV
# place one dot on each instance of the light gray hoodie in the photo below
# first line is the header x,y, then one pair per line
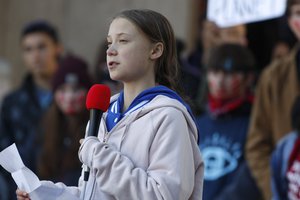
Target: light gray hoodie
x,y
150,154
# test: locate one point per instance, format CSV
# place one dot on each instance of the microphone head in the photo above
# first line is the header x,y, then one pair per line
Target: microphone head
x,y
98,97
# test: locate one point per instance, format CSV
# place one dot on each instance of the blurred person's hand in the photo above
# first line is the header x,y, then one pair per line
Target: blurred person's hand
x,y
21,195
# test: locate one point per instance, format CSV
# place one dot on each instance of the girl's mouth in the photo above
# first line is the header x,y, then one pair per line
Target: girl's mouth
x,y
112,64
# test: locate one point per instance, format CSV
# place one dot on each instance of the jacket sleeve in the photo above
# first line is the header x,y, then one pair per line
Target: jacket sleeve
x,y
171,170
279,166
276,175
6,136
6,140
259,142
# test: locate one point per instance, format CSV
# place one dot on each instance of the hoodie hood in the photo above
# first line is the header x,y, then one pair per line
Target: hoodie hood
x,y
161,101
115,110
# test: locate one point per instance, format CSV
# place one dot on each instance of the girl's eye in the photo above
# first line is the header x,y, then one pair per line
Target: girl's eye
x,y
123,41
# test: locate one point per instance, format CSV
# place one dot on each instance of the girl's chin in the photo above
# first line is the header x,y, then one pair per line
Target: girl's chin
x,y
115,77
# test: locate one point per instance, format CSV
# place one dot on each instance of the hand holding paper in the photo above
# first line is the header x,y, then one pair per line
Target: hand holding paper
x,y
27,181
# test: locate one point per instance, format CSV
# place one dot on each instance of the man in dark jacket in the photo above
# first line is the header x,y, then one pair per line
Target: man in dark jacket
x,y
23,108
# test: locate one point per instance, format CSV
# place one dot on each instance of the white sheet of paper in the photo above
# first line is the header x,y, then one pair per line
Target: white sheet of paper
x,y
49,191
24,178
27,181
226,13
10,159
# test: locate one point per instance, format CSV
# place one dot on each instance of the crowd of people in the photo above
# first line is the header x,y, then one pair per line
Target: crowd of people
x,y
241,123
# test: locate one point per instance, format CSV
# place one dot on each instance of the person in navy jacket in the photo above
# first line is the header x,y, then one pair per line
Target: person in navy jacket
x,y
223,127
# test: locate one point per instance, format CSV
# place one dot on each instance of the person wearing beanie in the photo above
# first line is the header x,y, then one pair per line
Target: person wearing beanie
x,y
223,127
64,123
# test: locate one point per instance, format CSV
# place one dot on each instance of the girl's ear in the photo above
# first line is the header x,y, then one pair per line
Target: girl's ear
x,y
156,51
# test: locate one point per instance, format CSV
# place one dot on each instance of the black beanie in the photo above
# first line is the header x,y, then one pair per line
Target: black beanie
x,y
72,69
231,58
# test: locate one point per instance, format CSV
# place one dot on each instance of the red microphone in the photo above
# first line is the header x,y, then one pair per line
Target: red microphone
x,y
97,102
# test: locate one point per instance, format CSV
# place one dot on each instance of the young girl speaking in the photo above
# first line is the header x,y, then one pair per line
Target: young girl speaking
x,y
147,142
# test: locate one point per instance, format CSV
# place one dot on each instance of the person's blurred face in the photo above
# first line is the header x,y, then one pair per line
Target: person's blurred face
x,y
40,54
226,86
294,20
234,35
70,99
280,50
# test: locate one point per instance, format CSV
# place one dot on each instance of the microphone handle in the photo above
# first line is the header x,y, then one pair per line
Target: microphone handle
x,y
95,118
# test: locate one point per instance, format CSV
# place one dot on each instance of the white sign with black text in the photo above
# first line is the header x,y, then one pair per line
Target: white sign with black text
x,y
226,13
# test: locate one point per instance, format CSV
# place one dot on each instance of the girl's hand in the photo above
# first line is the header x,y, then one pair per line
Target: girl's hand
x,y
21,195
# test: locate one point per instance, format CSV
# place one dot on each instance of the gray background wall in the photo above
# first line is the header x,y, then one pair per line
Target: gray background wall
x,y
82,24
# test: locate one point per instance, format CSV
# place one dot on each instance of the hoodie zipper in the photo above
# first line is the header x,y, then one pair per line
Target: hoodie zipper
x,y
105,137
108,133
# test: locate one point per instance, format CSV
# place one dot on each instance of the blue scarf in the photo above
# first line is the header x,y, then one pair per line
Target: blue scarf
x,y
114,113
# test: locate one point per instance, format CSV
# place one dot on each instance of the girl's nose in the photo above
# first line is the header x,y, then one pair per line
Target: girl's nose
x,y
111,51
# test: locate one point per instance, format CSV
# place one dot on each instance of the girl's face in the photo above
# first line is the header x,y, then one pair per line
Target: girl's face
x,y
70,99
129,53
226,86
